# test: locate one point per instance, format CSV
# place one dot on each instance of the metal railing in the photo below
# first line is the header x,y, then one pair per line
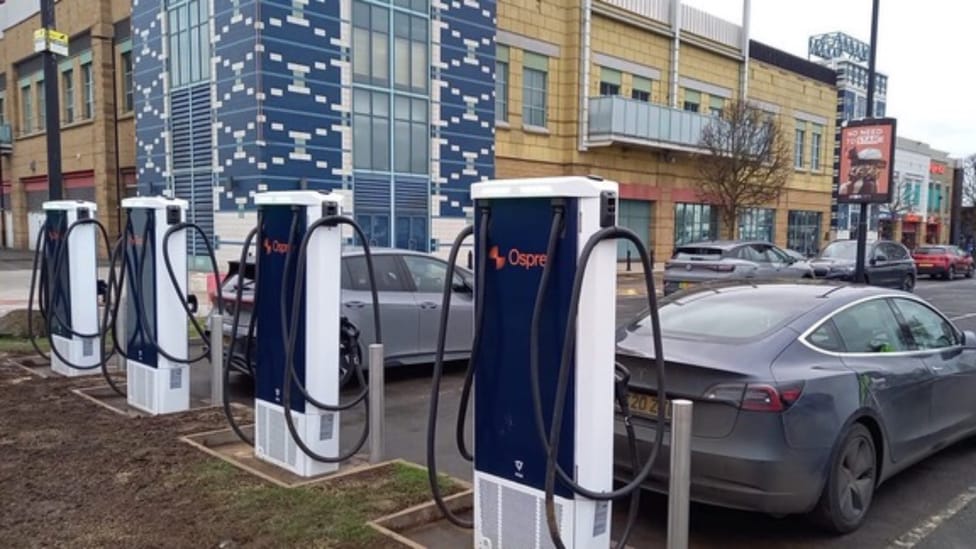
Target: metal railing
x,y
618,119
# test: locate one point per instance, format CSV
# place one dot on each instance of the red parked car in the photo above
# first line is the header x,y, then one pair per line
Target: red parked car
x,y
943,261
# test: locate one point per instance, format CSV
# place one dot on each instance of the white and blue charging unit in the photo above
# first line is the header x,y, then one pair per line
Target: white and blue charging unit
x,y
510,461
154,315
316,353
76,300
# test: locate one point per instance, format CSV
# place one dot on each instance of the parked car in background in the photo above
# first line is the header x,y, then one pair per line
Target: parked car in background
x,y
411,285
730,260
943,261
887,264
806,396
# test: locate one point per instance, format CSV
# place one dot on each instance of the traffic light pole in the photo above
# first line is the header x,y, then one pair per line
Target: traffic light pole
x,y
862,221
52,108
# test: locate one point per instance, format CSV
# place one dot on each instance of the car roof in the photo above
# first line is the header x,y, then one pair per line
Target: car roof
x,y
722,244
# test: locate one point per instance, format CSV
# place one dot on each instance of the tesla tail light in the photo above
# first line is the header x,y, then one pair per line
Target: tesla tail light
x,y
756,397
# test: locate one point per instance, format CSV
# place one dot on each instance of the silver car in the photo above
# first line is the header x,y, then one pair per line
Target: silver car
x,y
730,260
411,285
807,396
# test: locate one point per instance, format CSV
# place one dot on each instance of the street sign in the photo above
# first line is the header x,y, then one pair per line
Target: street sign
x,y
50,39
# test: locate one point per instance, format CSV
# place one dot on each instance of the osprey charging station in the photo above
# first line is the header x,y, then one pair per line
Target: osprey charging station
x,y
510,462
74,287
283,219
154,318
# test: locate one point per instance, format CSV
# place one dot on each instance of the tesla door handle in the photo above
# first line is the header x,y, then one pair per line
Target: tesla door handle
x,y
354,304
428,305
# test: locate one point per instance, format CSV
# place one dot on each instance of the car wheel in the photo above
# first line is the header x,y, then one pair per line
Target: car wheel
x,y
951,273
850,485
349,363
908,283
969,271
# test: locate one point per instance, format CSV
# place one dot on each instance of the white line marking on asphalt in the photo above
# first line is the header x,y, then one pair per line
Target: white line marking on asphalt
x,y
962,317
931,524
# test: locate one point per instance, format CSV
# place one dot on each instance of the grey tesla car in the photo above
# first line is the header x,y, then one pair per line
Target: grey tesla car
x,y
806,396
411,286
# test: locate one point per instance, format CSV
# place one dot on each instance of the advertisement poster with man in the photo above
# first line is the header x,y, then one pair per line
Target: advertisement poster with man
x,y
867,161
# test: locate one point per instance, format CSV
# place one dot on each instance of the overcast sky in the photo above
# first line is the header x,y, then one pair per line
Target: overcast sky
x,y
925,48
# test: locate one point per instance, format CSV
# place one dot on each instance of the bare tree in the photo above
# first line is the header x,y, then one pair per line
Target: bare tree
x,y
746,162
902,200
969,180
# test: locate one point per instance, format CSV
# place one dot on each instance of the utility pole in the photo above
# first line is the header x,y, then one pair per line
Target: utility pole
x,y
862,221
52,107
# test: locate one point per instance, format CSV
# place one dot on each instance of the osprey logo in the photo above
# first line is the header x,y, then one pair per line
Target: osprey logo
x,y
516,257
275,247
497,258
518,468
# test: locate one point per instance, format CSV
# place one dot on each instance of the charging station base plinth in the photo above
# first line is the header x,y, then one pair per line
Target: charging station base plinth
x,y
80,351
273,441
158,390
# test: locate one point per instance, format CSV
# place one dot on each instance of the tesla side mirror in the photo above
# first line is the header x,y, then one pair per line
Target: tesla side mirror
x,y
191,301
969,340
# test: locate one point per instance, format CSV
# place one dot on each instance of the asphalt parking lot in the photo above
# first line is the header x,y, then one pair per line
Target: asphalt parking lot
x,y
928,506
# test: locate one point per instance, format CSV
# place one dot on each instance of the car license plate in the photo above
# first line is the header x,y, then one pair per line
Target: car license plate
x,y
924,265
646,405
683,285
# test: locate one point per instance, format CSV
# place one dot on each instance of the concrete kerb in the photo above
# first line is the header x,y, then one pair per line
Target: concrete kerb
x,y
420,515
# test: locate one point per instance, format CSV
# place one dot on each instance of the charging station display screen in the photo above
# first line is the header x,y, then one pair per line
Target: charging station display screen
x,y
59,284
506,436
140,274
277,242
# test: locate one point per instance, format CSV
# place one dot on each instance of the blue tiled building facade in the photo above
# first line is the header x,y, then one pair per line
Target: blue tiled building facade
x,y
389,102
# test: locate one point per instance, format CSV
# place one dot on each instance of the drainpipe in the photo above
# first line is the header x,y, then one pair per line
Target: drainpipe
x,y
675,47
586,20
744,47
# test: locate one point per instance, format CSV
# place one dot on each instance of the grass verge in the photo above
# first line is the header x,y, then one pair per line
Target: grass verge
x,y
21,346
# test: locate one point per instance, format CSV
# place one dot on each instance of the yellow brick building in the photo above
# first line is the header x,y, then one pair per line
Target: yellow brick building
x,y
621,89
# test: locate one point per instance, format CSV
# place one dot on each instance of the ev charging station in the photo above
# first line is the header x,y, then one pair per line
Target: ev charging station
x,y
154,318
510,464
284,217
73,288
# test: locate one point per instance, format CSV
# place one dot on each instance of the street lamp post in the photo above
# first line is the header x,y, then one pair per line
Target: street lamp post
x,y
52,108
862,222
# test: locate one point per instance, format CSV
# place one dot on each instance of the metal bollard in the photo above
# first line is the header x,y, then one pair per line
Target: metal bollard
x,y
377,405
680,480
216,358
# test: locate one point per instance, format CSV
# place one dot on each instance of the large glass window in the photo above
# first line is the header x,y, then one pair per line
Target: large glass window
x,y
816,147
68,89
799,141
370,44
127,96
410,138
694,223
803,232
88,84
609,81
757,224
535,78
501,83
410,53
641,90
27,109
189,42
371,130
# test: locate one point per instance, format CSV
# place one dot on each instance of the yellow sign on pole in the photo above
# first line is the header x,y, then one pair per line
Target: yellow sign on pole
x,y
50,39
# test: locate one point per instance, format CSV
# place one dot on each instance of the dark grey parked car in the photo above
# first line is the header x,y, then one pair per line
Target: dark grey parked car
x,y
806,396
888,263
730,260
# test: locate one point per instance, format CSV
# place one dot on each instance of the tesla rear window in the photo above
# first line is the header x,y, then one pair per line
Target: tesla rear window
x,y
736,313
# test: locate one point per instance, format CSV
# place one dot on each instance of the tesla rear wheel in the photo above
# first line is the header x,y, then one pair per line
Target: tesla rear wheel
x,y
969,271
908,283
850,486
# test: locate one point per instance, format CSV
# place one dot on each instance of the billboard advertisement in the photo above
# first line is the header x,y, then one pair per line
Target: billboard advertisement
x,y
867,161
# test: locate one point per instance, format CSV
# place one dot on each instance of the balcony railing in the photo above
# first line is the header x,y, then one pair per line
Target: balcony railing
x,y
621,120
6,136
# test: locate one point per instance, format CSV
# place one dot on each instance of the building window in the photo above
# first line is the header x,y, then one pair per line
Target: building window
x,y
410,53
88,83
41,106
757,224
501,83
803,232
798,143
535,86
3,116
27,109
371,130
641,90
411,143
716,105
694,223
68,88
370,44
692,100
816,147
189,42
609,82
127,95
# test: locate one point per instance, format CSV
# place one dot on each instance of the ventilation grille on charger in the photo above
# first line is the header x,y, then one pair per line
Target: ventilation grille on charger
x,y
513,518
274,435
142,388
